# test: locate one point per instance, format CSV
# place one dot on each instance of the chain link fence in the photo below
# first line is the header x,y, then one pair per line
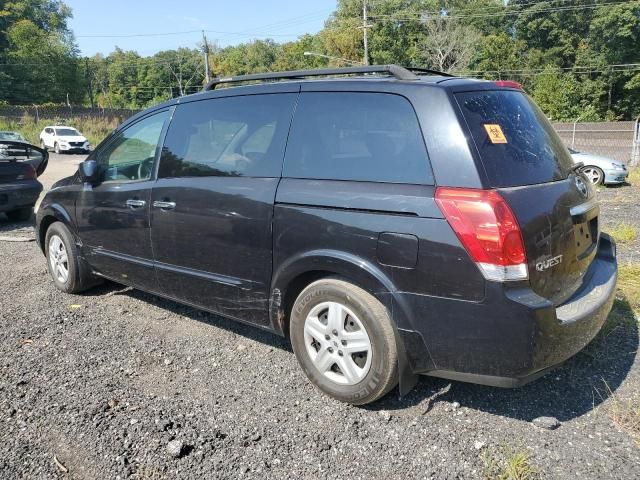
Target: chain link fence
x,y
62,112
617,140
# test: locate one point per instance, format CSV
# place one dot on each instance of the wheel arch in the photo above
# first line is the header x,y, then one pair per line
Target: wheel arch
x,y
292,276
46,217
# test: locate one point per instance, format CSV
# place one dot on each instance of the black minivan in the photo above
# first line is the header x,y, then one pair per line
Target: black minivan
x,y
389,221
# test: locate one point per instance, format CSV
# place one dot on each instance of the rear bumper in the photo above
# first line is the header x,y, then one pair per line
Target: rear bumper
x,y
19,194
514,336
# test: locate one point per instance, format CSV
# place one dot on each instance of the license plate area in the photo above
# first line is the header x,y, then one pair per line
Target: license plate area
x,y
586,237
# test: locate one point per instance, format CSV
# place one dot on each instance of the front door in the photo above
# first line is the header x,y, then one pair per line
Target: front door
x,y
113,216
212,205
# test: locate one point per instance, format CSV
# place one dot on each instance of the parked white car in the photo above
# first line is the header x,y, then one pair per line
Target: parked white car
x,y
64,139
600,170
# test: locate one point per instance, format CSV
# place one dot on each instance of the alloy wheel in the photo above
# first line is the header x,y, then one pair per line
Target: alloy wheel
x,y
593,174
337,343
58,259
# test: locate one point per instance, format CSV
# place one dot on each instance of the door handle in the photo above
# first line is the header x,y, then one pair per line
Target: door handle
x,y
133,203
164,205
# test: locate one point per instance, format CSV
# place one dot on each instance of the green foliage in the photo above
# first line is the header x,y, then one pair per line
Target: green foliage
x,y
37,52
94,128
570,59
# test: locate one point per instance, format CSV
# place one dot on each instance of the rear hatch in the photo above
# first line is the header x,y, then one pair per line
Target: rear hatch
x,y
21,161
526,162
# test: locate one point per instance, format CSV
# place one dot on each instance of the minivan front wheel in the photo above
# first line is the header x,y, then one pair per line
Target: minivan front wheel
x,y
63,261
344,341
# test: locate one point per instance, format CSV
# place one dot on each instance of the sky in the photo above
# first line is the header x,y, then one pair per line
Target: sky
x,y
100,26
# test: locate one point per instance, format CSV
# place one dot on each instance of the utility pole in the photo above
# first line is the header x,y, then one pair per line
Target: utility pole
x,y
89,81
207,73
365,27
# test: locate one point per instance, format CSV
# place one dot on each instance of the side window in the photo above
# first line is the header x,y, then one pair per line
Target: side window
x,y
372,137
129,156
230,136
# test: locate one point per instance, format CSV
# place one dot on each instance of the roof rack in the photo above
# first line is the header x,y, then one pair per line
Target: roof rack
x,y
428,70
398,72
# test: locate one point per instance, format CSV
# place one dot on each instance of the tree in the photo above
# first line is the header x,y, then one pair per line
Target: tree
x,y
38,52
448,45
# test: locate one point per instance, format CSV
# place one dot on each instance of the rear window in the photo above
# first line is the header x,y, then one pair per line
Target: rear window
x,y
66,132
372,137
517,144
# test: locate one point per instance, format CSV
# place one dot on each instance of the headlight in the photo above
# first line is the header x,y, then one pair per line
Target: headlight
x,y
617,166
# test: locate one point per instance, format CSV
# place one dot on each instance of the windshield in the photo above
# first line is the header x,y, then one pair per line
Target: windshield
x,y
516,142
15,136
67,132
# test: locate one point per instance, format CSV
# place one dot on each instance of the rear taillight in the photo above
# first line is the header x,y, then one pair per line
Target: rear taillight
x,y
28,173
488,230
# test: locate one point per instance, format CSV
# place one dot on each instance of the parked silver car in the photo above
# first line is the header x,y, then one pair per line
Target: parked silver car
x,y
600,170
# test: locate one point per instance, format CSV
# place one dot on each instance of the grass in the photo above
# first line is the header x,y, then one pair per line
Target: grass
x,y
634,176
624,233
94,128
508,464
624,413
629,285
626,307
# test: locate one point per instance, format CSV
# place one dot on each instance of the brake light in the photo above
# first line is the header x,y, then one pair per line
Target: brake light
x,y
508,84
28,173
487,229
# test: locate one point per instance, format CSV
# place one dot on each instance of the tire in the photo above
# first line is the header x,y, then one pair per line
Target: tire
x,y
594,174
20,214
321,343
77,279
56,148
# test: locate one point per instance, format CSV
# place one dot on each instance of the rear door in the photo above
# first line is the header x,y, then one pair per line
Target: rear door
x,y
212,205
524,159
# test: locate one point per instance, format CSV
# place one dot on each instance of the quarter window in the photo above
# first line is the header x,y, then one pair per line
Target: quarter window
x,y
371,137
129,157
230,137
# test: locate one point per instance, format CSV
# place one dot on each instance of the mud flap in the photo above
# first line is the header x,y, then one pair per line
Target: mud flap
x,y
407,380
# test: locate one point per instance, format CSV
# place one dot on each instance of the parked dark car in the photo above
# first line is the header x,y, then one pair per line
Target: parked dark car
x,y
20,166
390,224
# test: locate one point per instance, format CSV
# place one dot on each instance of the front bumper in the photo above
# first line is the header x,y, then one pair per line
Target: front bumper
x,y
73,149
514,336
19,194
616,176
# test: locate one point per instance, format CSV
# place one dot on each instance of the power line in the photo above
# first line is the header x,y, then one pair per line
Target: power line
x,y
506,12
301,19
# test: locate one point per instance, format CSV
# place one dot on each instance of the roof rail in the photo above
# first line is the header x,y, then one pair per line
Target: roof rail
x,y
398,72
428,70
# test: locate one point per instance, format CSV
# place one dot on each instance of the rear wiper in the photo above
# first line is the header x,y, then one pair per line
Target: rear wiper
x,y
577,166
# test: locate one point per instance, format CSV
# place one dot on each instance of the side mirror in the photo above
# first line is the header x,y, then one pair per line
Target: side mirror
x,y
89,171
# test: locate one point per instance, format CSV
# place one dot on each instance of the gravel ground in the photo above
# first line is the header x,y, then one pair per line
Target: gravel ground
x,y
120,384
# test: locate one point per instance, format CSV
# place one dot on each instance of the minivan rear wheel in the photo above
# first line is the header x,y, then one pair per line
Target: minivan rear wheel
x,y
344,341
